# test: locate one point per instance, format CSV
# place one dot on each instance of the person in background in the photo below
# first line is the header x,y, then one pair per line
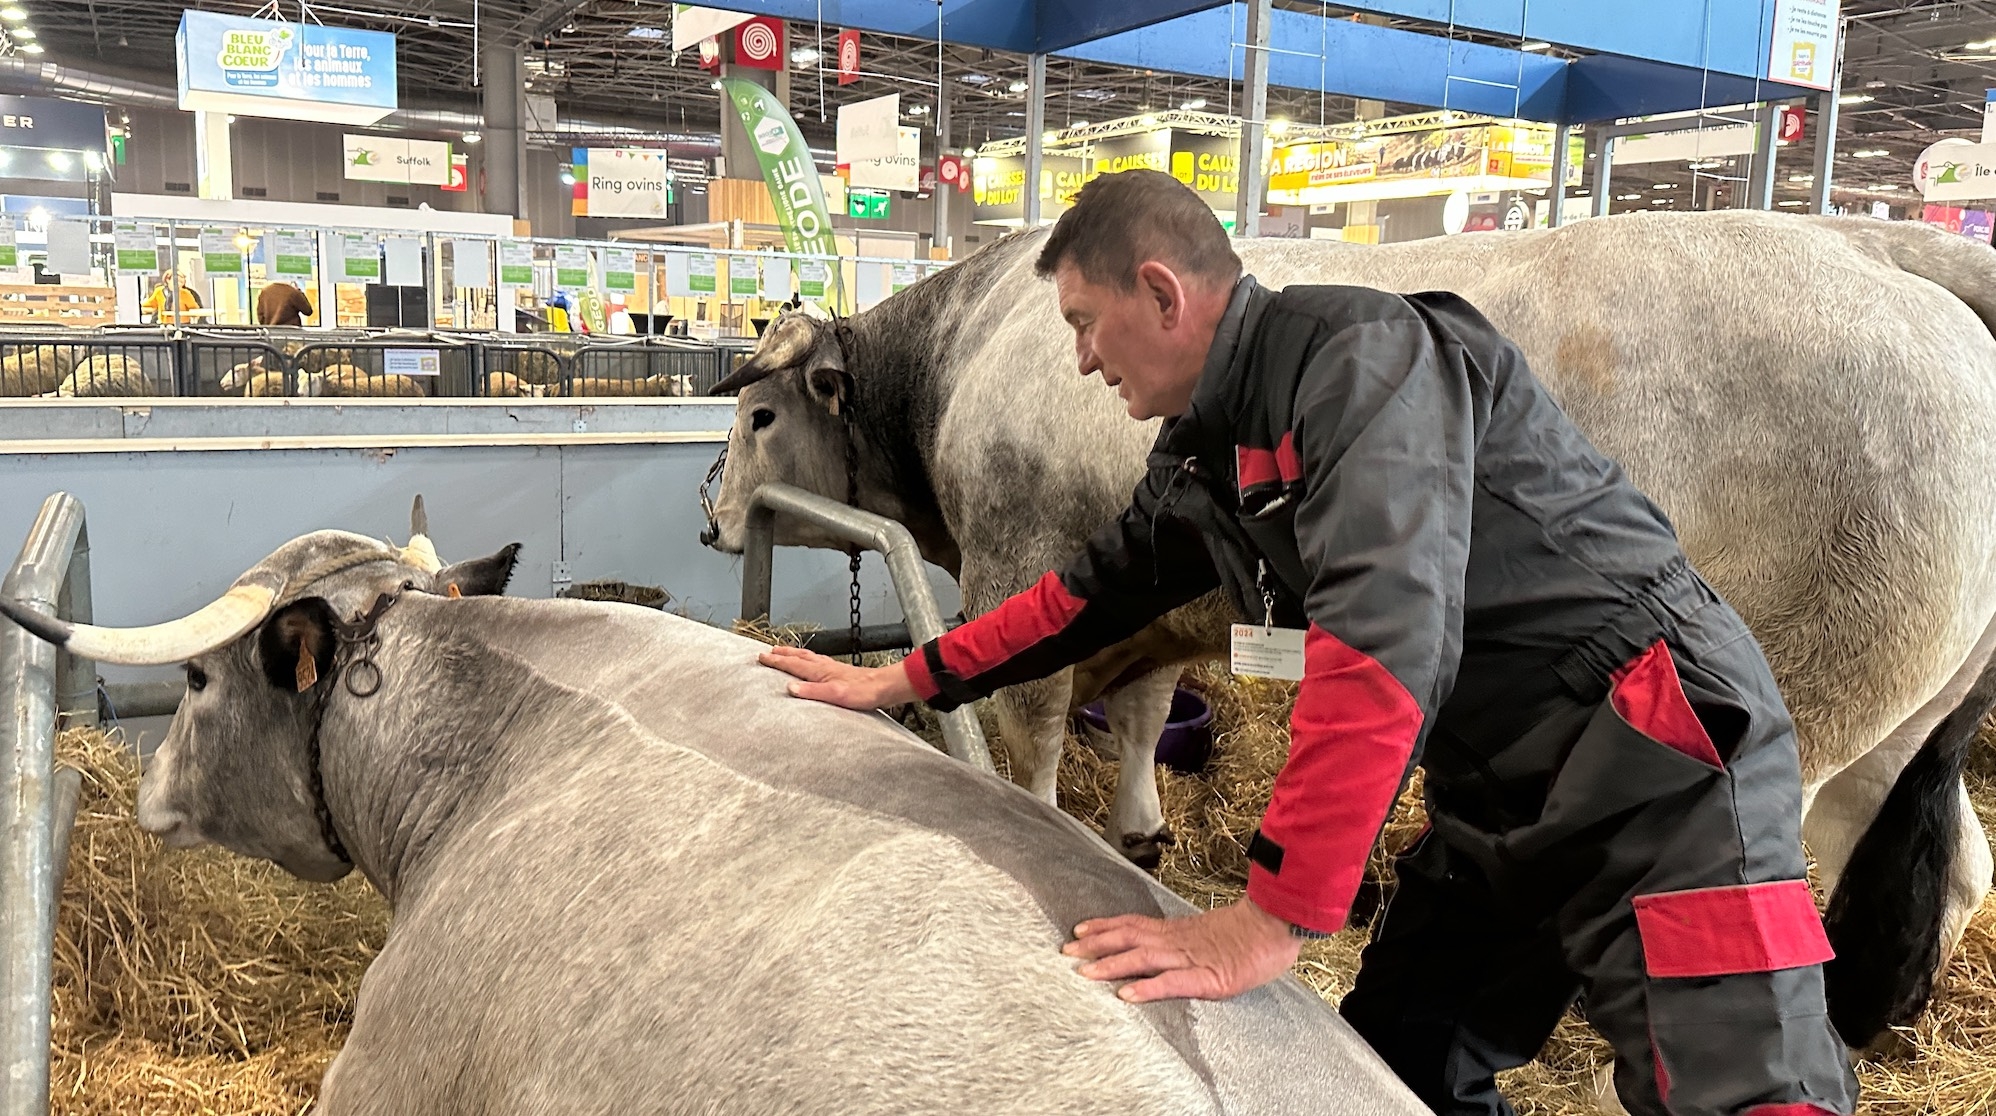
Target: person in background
x,y
281,304
155,303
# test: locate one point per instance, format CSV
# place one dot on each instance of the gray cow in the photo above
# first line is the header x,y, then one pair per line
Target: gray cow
x,y
630,875
1812,402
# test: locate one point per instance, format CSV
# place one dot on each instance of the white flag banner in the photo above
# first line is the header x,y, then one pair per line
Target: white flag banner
x,y
899,171
691,24
870,129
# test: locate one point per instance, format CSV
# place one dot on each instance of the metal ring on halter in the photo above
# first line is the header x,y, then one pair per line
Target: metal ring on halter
x,y
363,667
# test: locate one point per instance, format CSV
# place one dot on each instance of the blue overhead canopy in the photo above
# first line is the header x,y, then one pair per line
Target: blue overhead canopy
x,y
1659,56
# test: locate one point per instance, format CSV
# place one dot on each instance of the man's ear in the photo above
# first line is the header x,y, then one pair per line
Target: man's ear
x,y
1163,287
479,577
830,385
296,645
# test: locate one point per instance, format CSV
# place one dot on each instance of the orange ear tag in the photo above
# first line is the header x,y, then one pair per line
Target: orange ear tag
x,y
452,592
308,670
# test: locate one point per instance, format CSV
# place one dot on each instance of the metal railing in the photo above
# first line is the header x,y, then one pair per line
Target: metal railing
x,y
37,801
962,735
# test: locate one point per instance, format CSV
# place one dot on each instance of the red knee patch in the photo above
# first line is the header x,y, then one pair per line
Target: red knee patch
x,y
1719,931
1649,697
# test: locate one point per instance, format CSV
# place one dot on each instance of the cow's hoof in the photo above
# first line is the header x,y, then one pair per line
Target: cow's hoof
x,y
1146,851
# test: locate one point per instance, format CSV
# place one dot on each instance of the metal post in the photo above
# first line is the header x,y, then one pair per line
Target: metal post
x,y
29,803
1562,137
1036,125
961,733
1604,158
1760,180
941,239
1826,147
76,678
1254,120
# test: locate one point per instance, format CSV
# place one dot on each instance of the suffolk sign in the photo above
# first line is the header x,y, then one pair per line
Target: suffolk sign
x,y
295,71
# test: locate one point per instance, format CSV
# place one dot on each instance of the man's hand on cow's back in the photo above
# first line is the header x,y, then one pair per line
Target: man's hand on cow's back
x,y
840,683
1213,955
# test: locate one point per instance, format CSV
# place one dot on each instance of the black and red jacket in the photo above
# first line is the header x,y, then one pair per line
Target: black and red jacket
x,y
1390,474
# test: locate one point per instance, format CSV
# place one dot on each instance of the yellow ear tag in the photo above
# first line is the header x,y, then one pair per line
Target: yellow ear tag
x,y
452,592
308,671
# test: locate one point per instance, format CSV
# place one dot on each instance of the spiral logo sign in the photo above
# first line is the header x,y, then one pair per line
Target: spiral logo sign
x,y
758,42
849,55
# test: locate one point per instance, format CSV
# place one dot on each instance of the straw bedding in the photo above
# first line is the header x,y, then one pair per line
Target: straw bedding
x,y
202,983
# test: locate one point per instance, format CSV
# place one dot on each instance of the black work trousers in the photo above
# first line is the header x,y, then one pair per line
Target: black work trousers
x,y
1616,820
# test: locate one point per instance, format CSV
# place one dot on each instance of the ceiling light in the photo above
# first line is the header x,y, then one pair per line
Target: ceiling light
x,y
803,56
13,14
1986,44
1791,202
1277,126
1147,120
473,137
1886,186
1873,153
1077,123
93,160
31,48
567,178
22,33
1194,105
1855,98
1801,178
1536,46
976,79
1664,186
242,242
1628,197
59,160
1017,87
1050,137
970,153
645,33
715,84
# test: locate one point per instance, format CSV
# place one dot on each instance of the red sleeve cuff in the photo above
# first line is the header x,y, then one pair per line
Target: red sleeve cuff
x,y
916,666
1294,905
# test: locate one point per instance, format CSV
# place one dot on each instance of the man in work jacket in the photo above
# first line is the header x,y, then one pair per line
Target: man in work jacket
x,y
1612,779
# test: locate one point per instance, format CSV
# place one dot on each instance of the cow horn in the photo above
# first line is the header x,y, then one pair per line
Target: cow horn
x,y
789,342
222,621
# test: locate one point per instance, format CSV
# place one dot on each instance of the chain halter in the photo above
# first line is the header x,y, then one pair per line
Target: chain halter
x,y
355,670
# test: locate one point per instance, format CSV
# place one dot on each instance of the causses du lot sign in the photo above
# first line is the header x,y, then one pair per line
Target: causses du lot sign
x,y
294,71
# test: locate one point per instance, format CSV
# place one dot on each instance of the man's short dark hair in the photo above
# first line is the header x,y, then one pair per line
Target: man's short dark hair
x,y
1120,221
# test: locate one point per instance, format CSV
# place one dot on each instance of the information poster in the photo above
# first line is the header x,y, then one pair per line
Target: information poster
x,y
360,257
571,266
471,262
812,278
700,273
291,253
777,280
220,254
620,269
69,245
516,263
137,245
905,275
743,282
9,255
412,362
1804,44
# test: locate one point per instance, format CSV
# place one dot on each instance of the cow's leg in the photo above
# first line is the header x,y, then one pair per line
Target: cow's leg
x,y
1032,721
1843,808
1137,713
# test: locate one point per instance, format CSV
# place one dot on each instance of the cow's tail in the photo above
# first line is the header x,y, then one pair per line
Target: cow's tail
x,y
1886,919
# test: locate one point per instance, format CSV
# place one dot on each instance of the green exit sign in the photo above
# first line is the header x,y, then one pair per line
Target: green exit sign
x,y
868,204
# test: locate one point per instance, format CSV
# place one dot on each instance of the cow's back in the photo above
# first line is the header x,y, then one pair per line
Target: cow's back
x,y
696,893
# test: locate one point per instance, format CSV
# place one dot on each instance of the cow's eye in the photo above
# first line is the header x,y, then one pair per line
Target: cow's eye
x,y
761,417
197,679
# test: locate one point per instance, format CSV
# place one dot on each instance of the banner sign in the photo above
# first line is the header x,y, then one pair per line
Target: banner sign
x,y
382,159
1954,171
49,124
360,257
743,282
848,57
899,171
460,174
1977,224
137,246
571,266
292,71
691,24
1142,151
625,182
9,254
869,130
1803,50
997,192
759,44
787,168
291,252
869,205
620,269
1211,165
516,263
953,170
812,278
219,253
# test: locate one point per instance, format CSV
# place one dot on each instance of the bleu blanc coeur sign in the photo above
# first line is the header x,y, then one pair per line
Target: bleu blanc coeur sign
x,y
295,71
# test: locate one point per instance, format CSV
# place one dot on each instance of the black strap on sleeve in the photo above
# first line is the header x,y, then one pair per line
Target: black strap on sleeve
x,y
951,691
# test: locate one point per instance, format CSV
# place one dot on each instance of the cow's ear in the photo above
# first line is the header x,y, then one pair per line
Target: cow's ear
x,y
830,385
296,645
480,577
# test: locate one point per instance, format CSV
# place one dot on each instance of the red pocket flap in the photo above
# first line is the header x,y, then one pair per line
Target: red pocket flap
x,y
1719,931
1649,697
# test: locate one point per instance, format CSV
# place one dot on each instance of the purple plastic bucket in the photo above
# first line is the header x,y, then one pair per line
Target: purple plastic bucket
x,y
1187,741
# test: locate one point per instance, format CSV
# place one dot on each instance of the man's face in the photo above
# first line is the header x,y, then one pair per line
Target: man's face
x,y
1143,341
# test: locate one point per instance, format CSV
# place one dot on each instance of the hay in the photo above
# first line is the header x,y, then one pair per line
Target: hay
x,y
200,982
193,982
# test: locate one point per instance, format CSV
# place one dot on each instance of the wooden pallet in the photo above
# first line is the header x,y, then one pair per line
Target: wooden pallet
x,y
53,304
